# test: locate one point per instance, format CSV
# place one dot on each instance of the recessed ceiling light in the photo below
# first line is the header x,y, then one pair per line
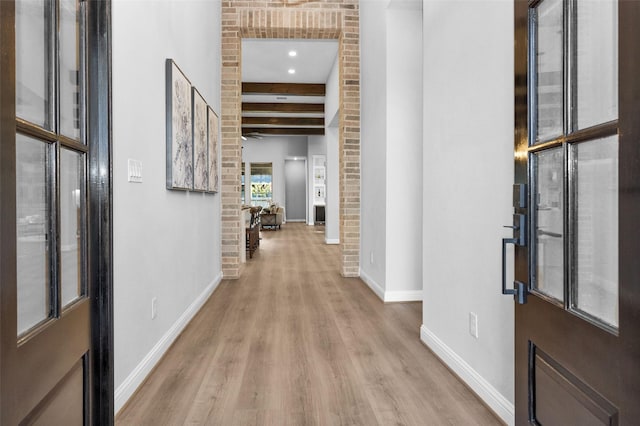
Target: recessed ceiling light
x,y
292,71
292,53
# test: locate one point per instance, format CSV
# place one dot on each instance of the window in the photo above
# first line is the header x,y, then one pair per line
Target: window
x,y
261,184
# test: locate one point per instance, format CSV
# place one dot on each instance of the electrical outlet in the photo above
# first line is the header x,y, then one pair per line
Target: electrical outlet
x,y
371,257
473,324
154,307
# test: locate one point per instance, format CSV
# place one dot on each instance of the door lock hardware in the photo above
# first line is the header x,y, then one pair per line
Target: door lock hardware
x,y
520,195
519,290
519,230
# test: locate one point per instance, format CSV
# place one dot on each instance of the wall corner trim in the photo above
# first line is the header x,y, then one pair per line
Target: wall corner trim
x,y
142,370
374,286
485,390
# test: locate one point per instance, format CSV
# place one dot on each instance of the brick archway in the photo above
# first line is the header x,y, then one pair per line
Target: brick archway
x,y
302,19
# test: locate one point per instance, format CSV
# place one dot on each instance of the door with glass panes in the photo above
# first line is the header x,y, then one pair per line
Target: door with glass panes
x,y
576,212
46,317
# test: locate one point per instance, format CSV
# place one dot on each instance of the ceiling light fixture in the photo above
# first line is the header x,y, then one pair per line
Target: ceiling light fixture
x,y
293,53
292,71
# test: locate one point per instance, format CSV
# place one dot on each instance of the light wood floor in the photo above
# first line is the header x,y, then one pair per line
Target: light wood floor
x,y
294,343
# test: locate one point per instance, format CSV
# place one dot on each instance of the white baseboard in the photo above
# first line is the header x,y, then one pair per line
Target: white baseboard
x,y
332,240
403,296
137,376
372,284
490,395
390,296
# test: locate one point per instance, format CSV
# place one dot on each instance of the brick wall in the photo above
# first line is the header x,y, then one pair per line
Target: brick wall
x,y
337,19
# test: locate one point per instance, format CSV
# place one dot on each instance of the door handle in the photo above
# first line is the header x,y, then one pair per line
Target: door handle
x,y
519,291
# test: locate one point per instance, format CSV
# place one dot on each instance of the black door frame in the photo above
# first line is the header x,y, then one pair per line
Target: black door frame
x,y
100,226
100,188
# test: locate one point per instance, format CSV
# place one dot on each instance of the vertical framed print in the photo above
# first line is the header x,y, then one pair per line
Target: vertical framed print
x,y
179,129
213,150
200,160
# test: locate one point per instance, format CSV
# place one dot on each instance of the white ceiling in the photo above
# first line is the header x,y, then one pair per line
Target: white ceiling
x,y
268,60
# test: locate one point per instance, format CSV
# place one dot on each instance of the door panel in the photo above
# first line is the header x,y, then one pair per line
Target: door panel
x,y
561,398
47,357
63,406
577,337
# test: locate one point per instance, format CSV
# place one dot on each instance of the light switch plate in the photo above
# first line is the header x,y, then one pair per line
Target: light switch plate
x,y
134,171
473,324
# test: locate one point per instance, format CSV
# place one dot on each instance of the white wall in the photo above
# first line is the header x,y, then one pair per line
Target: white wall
x,y
404,152
332,113
166,243
468,173
373,131
274,149
332,209
391,76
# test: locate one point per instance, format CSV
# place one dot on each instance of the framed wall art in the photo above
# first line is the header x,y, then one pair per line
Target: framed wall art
x,y
179,129
213,150
200,160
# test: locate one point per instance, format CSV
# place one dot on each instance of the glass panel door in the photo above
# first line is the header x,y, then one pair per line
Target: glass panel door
x,y
573,156
577,332
55,366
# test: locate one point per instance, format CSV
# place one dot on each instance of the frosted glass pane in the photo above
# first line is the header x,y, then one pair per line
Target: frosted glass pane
x,y
32,212
34,88
597,62
549,219
72,232
596,245
549,70
70,78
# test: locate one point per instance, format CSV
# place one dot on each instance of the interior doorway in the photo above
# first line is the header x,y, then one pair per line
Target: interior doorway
x,y
295,193
282,20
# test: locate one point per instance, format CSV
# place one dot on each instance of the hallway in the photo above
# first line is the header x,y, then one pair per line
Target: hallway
x,y
294,343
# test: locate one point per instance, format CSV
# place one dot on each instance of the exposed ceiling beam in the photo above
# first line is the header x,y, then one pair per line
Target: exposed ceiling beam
x,y
284,121
297,89
283,131
273,107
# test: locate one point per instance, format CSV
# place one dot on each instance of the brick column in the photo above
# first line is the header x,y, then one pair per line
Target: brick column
x,y
349,144
231,146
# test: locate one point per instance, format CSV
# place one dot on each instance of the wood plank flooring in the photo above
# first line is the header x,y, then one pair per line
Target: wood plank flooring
x,y
294,343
